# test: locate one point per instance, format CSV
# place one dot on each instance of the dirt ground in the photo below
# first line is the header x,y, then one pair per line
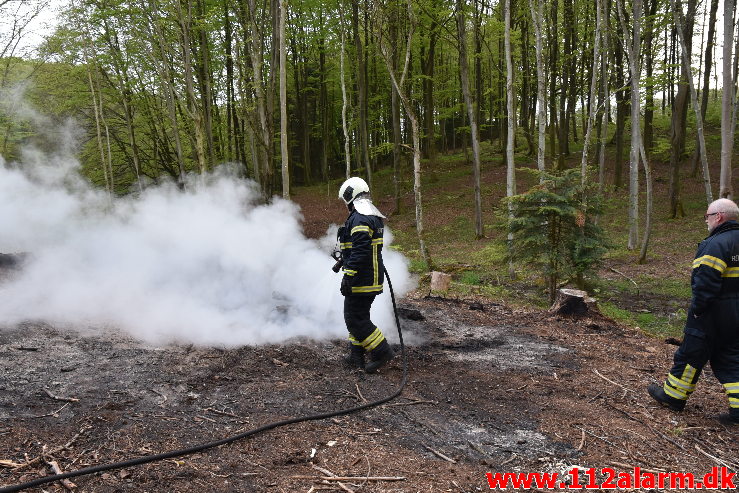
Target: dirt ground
x,y
490,389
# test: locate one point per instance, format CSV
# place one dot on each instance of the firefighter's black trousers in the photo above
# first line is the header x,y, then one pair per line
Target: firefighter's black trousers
x,y
713,337
363,333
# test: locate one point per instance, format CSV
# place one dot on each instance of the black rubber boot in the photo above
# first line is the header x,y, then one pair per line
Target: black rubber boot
x,y
379,357
659,395
355,359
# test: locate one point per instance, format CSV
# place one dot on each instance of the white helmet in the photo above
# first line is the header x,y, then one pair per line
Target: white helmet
x,y
351,188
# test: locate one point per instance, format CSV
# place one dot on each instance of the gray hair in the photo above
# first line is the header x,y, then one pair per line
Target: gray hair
x,y
728,207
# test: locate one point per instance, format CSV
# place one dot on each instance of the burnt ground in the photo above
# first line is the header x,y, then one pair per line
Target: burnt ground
x,y
490,388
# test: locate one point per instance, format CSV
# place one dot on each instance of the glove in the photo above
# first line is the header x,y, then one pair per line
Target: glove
x,y
346,287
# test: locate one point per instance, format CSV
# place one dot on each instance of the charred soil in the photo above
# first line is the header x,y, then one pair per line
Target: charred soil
x,y
491,389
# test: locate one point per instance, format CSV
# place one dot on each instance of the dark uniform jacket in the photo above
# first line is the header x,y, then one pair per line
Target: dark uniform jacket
x,y
715,278
361,250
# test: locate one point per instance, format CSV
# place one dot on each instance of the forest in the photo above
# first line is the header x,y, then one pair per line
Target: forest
x,y
304,92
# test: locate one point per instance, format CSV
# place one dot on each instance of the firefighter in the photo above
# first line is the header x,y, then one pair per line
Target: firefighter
x,y
712,328
360,240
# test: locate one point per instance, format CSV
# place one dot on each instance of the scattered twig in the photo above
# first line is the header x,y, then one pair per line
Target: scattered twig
x,y
439,454
53,452
411,402
350,478
359,393
206,418
160,395
596,436
331,474
509,459
9,463
57,398
727,464
54,413
629,467
582,441
57,470
223,413
595,370
627,277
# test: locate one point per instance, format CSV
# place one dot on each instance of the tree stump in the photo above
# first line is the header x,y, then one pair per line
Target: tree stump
x,y
440,281
573,302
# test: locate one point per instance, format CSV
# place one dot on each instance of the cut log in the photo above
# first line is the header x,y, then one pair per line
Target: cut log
x,y
573,302
440,281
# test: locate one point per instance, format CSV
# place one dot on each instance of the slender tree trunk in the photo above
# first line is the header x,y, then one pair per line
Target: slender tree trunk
x,y
362,88
677,15
707,57
283,105
593,92
537,17
606,9
98,133
463,67
511,114
344,100
408,105
621,105
651,11
632,51
727,103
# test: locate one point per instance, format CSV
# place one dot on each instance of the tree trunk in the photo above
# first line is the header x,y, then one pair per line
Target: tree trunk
x,y
727,104
677,14
593,92
537,17
362,88
706,77
398,84
632,51
606,9
511,115
283,105
463,67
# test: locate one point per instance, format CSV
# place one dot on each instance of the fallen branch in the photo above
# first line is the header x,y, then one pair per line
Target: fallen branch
x,y
628,467
331,474
727,464
350,478
223,413
627,277
54,413
9,463
57,398
439,454
57,470
611,381
53,452
411,403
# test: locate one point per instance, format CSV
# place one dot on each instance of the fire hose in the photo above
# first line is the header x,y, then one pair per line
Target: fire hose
x,y
209,445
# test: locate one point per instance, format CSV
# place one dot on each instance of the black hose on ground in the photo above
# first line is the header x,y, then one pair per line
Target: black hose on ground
x,y
205,446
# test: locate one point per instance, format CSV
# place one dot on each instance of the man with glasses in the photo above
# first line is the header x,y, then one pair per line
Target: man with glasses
x,y
712,327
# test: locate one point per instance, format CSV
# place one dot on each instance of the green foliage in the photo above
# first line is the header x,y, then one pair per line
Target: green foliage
x,y
554,229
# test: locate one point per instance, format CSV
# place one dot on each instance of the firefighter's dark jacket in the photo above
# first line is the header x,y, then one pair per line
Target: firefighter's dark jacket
x,y
715,277
361,250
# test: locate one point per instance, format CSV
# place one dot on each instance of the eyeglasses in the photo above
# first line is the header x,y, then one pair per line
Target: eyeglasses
x,y
706,216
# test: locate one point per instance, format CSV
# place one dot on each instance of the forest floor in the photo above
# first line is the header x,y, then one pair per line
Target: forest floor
x,y
494,384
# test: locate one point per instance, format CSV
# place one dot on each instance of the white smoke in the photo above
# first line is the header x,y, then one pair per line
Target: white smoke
x,y
209,265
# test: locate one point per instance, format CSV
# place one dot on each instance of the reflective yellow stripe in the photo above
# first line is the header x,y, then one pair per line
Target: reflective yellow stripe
x,y
731,272
676,382
733,402
710,261
732,387
367,289
377,241
362,229
373,340
354,341
374,265
346,245
349,272
688,374
673,392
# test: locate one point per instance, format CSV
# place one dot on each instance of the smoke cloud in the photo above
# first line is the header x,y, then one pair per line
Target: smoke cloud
x,y
210,265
